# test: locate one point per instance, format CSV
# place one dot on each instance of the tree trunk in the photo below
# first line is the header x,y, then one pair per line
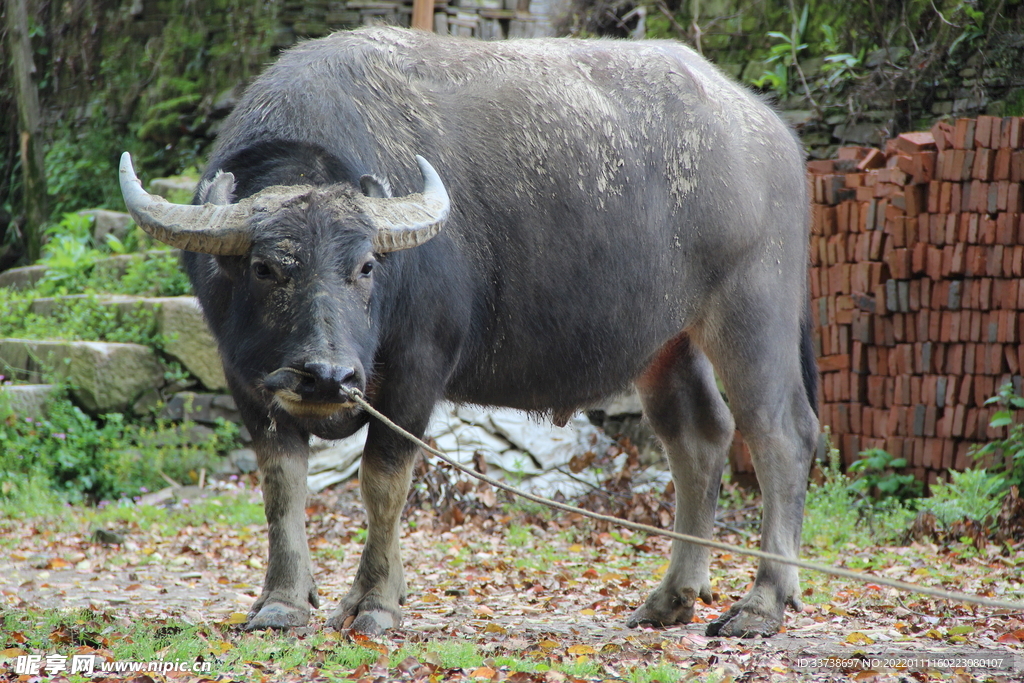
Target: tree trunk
x,y
29,125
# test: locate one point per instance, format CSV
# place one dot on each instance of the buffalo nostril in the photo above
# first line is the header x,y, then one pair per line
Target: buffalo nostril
x,y
326,381
318,371
349,378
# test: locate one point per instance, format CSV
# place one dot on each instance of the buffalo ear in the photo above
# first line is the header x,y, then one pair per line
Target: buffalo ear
x,y
220,190
372,186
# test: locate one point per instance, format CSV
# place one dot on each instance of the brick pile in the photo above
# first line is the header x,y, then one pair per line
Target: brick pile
x,y
917,255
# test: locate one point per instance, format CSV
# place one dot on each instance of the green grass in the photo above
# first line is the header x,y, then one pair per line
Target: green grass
x,y
836,516
232,651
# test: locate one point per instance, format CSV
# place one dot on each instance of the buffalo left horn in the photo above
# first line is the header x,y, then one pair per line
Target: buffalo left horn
x,y
406,222
209,229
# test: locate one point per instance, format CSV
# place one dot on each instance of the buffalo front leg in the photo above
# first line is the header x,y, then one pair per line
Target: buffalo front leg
x,y
289,590
683,406
373,605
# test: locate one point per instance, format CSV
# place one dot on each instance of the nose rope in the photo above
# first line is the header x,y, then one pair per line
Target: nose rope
x,y
358,397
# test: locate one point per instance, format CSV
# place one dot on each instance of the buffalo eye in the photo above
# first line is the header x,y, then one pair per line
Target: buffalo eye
x,y
262,271
366,269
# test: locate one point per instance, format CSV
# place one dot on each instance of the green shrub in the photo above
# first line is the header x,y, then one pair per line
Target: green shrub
x,y
837,513
1009,452
875,475
107,459
971,494
81,167
86,319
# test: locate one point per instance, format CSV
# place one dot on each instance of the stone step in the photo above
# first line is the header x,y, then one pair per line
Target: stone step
x,y
104,376
27,400
178,319
28,277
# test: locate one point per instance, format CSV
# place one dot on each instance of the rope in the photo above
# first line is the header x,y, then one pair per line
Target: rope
x,y
358,397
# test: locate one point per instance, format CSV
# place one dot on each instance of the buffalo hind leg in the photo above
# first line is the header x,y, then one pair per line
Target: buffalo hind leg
x,y
768,382
373,605
686,411
289,590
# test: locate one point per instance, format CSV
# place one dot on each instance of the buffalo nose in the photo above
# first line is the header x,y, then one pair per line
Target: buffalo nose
x,y
326,382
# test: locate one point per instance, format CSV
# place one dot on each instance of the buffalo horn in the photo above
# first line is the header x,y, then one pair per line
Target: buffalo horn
x,y
209,229
406,222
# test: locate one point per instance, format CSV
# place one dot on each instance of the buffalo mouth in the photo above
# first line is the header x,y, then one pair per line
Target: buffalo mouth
x,y
307,395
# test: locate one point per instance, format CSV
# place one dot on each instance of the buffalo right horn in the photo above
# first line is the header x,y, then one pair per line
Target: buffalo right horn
x,y
221,230
406,222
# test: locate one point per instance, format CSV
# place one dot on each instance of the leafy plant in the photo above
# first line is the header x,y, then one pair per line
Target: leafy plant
x,y
972,30
81,165
90,461
1007,453
971,494
828,522
839,66
785,54
876,476
84,318
69,254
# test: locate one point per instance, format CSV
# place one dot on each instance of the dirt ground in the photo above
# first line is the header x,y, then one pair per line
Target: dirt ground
x,y
558,592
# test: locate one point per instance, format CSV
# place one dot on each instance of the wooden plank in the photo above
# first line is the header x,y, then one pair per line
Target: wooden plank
x,y
423,15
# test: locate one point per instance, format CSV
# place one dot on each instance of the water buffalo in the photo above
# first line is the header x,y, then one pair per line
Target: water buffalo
x,y
582,215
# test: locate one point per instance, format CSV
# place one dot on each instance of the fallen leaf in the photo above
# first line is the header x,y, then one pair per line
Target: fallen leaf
x,y
581,650
858,638
236,618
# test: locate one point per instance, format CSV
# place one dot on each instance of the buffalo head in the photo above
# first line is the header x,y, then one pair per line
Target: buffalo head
x,y
295,268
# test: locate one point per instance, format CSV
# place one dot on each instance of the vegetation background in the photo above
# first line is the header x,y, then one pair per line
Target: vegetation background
x,y
157,76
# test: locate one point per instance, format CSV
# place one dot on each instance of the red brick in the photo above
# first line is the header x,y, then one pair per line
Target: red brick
x,y
971,423
1012,358
1014,198
984,160
1001,164
924,167
942,134
982,131
948,453
984,388
1016,166
965,171
1016,137
872,159
963,134
942,163
945,197
913,143
821,166
977,322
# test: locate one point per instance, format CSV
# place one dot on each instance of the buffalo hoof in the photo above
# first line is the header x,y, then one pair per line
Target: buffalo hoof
x,y
746,620
372,622
668,608
278,616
